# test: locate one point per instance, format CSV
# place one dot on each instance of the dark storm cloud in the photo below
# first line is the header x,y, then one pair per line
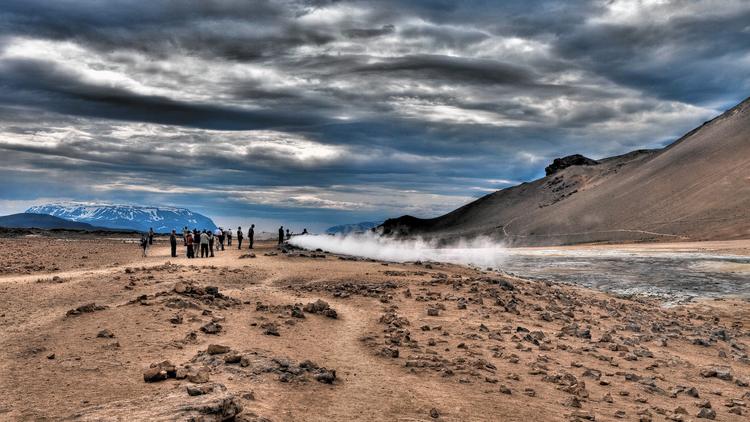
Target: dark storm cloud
x,y
40,83
470,71
368,32
346,109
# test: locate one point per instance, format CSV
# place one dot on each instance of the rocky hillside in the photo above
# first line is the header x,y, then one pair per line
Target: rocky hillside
x,y
161,219
697,188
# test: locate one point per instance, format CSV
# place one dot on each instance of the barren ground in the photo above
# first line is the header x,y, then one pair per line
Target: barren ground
x,y
409,342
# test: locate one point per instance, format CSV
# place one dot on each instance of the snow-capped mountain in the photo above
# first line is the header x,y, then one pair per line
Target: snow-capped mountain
x,y
162,219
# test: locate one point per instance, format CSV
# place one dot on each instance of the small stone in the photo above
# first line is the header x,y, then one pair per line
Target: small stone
x,y
105,334
212,328
270,329
572,401
704,403
201,376
154,374
232,357
434,414
297,312
217,349
199,390
706,413
325,376
504,389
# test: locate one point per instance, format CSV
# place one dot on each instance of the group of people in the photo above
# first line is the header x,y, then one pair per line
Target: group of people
x,y
206,242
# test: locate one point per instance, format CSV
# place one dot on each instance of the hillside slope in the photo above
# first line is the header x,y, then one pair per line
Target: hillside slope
x,y
696,188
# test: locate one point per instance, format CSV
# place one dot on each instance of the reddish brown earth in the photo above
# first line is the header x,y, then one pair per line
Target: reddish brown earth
x,y
409,342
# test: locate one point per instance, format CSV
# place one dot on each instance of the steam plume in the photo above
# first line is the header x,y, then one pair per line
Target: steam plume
x,y
479,251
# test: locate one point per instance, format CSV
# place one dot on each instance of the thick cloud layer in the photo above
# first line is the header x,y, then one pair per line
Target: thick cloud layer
x,y
323,112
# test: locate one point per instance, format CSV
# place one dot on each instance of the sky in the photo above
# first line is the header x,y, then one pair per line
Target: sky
x,y
316,113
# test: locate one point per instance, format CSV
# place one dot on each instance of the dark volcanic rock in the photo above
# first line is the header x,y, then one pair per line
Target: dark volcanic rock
x,y
84,309
565,162
211,328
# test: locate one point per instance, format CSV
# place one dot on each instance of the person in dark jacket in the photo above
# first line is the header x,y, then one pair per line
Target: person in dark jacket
x,y
173,243
281,235
239,237
189,245
229,237
251,235
151,236
211,242
144,243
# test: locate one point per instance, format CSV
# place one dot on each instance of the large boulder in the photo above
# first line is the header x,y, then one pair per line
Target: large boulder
x,y
565,162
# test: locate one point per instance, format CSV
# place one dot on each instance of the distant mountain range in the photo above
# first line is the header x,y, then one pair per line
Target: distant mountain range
x,y
697,188
141,218
352,228
43,221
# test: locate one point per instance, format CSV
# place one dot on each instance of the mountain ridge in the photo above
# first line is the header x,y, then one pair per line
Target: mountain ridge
x,y
43,221
696,188
124,216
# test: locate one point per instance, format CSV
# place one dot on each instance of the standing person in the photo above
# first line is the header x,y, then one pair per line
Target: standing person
x,y
288,235
151,236
239,237
229,237
251,235
281,235
211,242
185,232
304,231
144,244
204,244
219,235
189,245
173,243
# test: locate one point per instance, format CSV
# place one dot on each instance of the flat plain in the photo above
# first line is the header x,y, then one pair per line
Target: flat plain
x,y
87,326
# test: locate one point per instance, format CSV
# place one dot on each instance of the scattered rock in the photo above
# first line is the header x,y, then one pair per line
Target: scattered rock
x,y
159,371
217,349
706,413
105,334
270,329
325,376
212,328
87,308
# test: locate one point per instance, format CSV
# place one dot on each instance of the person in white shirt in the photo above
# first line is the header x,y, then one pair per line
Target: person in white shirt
x,y
219,234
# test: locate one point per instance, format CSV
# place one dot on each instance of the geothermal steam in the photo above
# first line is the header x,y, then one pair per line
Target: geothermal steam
x,y
480,251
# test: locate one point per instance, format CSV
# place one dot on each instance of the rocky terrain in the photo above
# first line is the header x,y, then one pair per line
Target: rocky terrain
x,y
694,189
286,334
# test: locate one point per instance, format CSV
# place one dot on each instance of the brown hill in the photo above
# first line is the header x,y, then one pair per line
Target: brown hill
x,y
697,188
